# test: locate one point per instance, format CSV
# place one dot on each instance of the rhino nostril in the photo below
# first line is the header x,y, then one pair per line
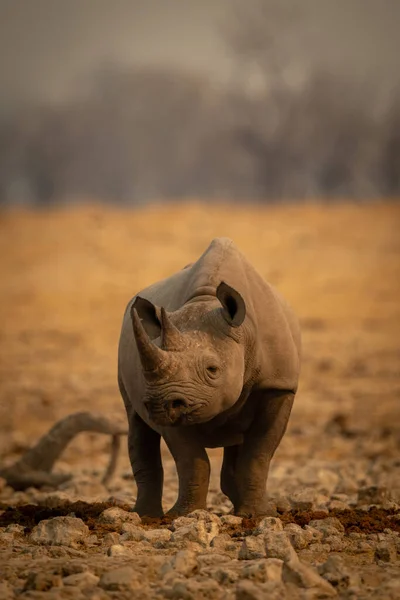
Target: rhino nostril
x,y
178,403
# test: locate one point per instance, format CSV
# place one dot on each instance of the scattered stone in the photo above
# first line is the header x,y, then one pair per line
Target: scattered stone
x,y
248,590
111,538
184,562
198,531
181,522
268,524
224,575
222,542
157,537
116,516
386,551
336,573
252,547
277,545
329,526
119,550
269,569
82,580
60,531
299,537
125,578
204,515
15,529
131,532
41,582
373,495
305,576
303,499
190,589
231,520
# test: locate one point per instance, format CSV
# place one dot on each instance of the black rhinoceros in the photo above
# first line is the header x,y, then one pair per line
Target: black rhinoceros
x,y
208,357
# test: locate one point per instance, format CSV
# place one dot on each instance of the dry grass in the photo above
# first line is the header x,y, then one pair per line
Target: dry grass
x,y
67,275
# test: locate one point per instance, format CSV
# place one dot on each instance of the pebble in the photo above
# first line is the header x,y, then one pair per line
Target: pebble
x,y
268,524
131,532
200,532
85,579
158,537
125,578
60,531
329,526
248,590
277,545
119,550
184,562
231,520
116,516
305,576
267,569
252,547
336,573
386,552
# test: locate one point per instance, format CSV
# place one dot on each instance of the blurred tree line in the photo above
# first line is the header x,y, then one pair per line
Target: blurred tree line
x,y
135,135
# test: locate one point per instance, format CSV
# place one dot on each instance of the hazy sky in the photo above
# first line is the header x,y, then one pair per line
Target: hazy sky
x,y
46,46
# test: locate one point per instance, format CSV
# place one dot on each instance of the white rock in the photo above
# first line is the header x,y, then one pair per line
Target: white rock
x,y
198,531
131,532
124,578
303,499
268,569
60,531
248,590
184,562
386,551
116,516
277,545
222,542
204,515
119,550
85,579
252,547
298,537
232,520
329,526
305,576
157,536
268,524
181,522
337,574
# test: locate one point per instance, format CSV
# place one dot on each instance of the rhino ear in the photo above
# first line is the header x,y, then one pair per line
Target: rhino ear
x,y
234,307
148,313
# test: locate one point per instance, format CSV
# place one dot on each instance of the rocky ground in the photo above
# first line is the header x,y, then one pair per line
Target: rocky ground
x,y
334,485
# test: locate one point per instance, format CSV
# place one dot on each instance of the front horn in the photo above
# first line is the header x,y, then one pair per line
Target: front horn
x,y
151,356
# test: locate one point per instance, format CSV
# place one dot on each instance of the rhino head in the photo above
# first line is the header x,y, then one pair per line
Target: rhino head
x,y
193,359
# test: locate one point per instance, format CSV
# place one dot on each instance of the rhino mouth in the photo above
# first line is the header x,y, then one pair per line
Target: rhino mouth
x,y
174,412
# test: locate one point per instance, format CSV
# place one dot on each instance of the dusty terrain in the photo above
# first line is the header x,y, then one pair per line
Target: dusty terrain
x,y
66,277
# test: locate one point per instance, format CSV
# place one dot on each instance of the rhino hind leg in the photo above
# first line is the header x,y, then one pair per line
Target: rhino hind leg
x,y
145,457
245,467
228,483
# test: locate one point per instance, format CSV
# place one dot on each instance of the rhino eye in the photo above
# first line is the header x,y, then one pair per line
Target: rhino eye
x,y
212,371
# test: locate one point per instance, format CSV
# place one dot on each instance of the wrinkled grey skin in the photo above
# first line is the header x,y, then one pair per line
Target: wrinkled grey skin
x,y
208,357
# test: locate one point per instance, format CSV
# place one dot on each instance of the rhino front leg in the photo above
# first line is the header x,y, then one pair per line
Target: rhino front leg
x,y
145,457
245,467
193,469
